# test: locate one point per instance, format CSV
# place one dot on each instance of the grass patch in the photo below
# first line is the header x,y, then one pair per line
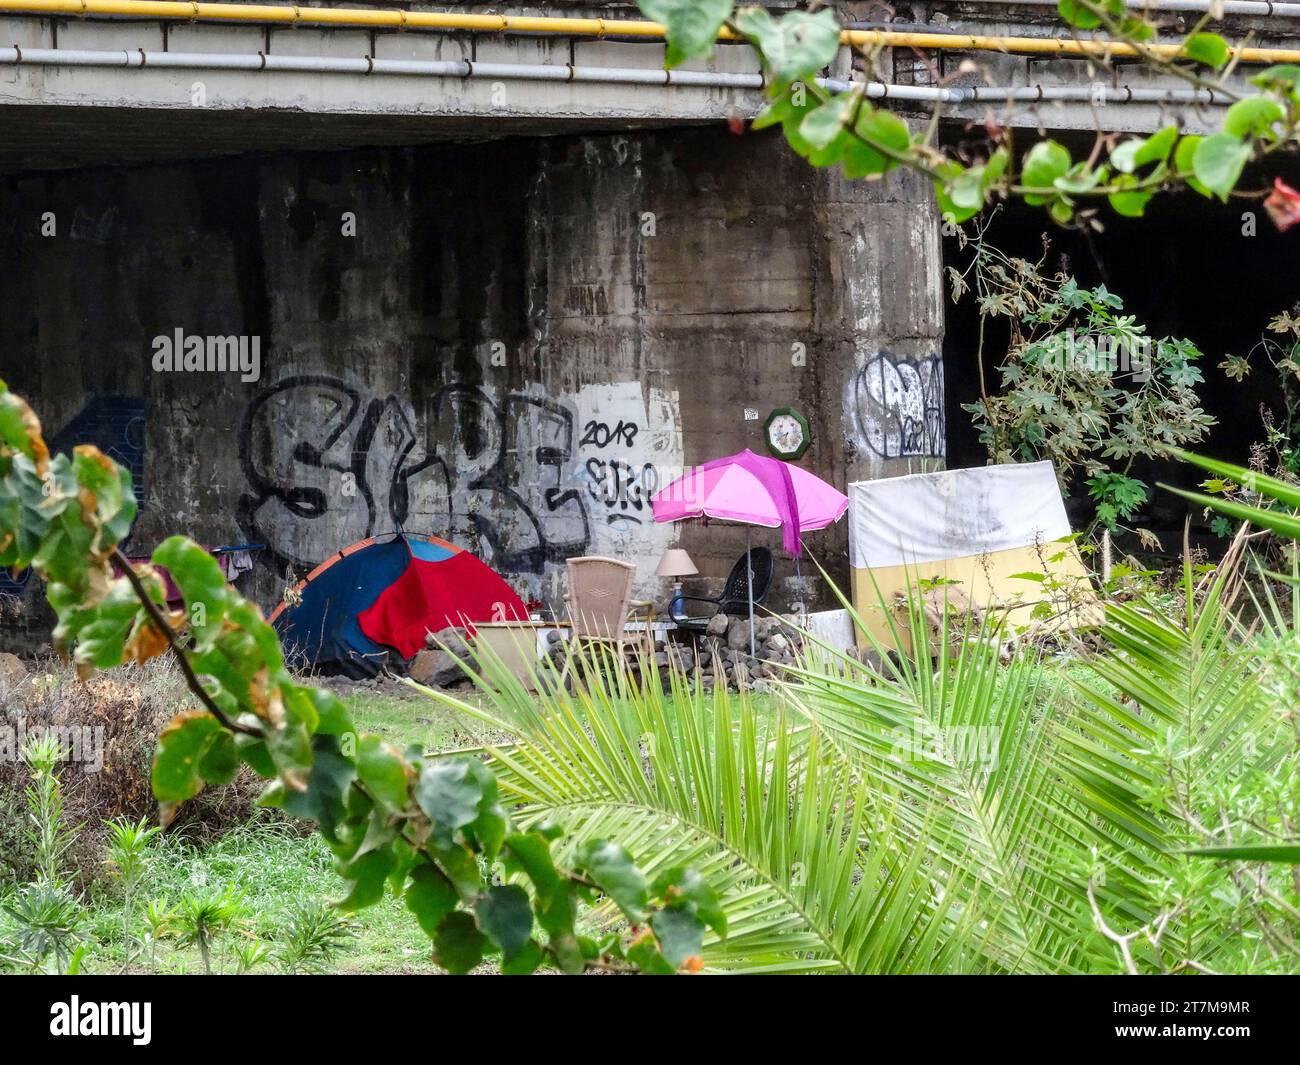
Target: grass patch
x,y
275,865
405,717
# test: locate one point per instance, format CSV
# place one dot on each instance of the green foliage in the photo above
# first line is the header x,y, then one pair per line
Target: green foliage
x,y
249,955
128,849
742,820
829,129
204,915
1015,818
183,747
1117,496
1079,15
1218,162
1177,751
1281,498
426,829
48,923
129,860
47,832
1252,852
1279,354
1254,116
693,25
1278,453
312,938
160,917
794,47
1208,49
1083,385
1133,155
1045,162
844,131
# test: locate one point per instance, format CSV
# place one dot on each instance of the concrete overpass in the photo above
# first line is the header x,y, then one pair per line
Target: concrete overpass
x,y
81,80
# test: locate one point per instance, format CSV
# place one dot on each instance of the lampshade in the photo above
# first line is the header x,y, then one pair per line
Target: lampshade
x,y
676,563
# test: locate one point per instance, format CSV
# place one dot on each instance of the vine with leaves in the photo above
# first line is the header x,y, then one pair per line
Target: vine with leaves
x,y
432,830
830,128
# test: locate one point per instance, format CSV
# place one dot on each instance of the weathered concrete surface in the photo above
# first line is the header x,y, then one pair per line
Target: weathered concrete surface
x,y
766,284
56,116
92,112
880,322
509,344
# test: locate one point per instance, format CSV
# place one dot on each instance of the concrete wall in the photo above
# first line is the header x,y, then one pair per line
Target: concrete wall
x,y
64,115
509,344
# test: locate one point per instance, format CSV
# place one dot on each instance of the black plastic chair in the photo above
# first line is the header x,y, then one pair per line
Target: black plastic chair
x,y
734,599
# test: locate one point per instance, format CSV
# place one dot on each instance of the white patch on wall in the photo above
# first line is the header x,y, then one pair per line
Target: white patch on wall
x,y
629,446
894,406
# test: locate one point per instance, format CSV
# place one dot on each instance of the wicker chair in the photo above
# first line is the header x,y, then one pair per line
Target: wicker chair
x,y
600,602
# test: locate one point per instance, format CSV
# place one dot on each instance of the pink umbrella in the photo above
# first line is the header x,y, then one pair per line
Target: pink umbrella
x,y
754,490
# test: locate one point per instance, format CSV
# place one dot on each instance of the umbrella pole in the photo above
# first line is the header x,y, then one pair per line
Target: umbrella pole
x,y
749,576
803,603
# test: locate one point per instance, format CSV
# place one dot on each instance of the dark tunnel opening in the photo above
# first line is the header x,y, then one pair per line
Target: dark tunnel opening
x,y
1189,269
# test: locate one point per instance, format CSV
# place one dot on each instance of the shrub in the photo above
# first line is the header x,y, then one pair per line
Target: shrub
x,y
130,705
314,935
47,926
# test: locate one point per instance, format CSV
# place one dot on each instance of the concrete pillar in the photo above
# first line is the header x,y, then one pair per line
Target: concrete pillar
x,y
672,283
878,313
721,277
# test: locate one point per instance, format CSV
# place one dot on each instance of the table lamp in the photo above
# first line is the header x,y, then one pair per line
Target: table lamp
x,y
676,564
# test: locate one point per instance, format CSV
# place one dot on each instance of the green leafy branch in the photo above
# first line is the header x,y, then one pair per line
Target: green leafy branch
x,y
844,129
432,830
1082,384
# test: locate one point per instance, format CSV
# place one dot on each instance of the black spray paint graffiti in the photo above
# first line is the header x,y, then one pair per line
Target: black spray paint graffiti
x,y
506,468
898,406
622,488
602,434
327,466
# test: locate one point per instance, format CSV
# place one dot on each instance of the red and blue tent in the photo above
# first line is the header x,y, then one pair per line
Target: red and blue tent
x,y
377,597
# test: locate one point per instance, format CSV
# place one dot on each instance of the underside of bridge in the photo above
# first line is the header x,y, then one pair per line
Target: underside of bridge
x,y
41,139
507,343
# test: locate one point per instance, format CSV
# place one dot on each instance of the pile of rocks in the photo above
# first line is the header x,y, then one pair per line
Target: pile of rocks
x,y
724,650
436,665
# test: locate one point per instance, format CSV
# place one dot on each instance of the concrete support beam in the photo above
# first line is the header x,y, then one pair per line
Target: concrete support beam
x,y
879,320
52,114
380,95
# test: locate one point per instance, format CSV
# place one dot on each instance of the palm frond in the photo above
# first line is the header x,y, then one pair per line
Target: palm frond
x,y
775,817
959,753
